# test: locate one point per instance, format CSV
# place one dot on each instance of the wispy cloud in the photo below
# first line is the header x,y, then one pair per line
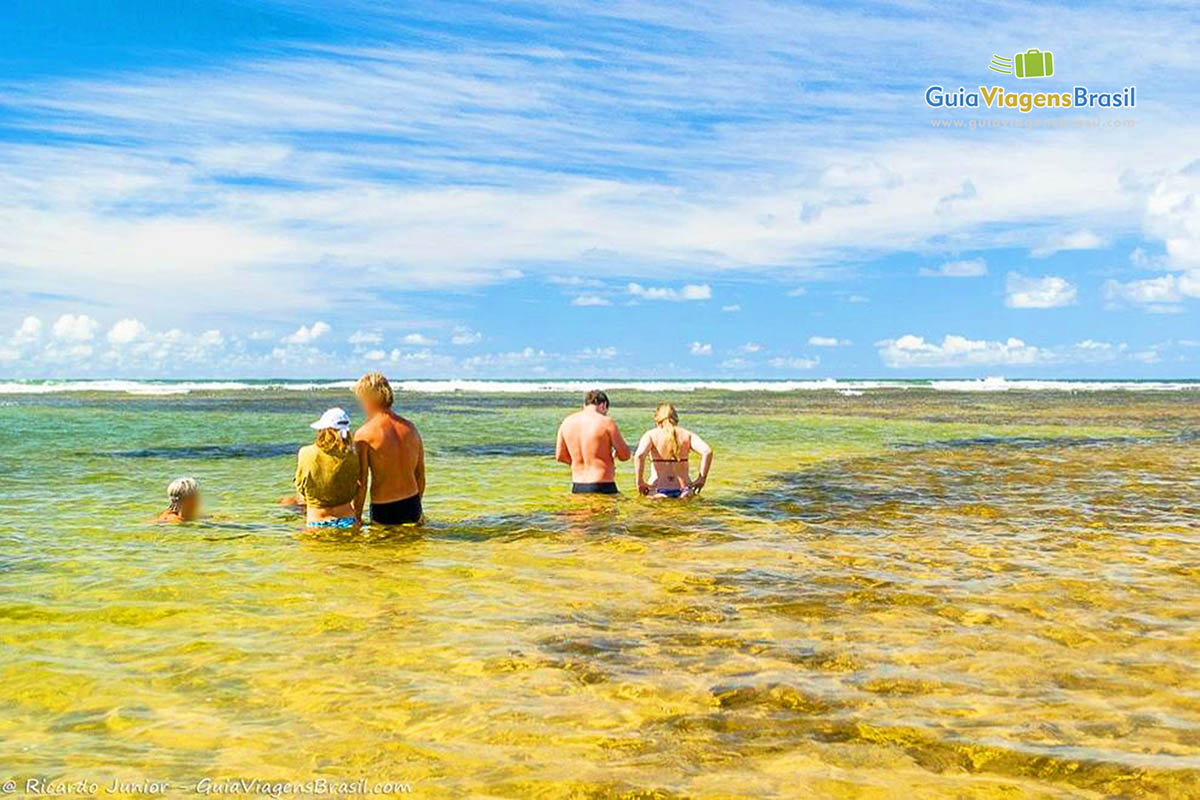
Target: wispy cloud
x,y
795,363
585,300
1076,240
973,268
415,148
673,148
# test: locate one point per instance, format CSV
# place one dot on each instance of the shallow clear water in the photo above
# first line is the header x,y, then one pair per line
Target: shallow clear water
x,y
906,593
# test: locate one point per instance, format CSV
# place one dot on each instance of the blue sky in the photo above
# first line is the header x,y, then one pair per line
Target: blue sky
x,y
592,189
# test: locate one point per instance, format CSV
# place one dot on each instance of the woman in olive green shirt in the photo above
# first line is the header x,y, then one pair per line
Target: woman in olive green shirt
x,y
327,473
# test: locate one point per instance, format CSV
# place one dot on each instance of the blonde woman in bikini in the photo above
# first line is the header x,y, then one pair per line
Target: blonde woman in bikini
x,y
668,446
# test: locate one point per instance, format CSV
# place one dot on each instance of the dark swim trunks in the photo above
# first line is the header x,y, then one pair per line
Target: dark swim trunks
x,y
604,487
673,493
397,512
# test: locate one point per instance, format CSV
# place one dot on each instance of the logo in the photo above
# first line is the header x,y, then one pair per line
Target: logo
x,y
1033,63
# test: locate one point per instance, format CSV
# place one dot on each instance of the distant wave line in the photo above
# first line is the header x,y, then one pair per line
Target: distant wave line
x,y
848,387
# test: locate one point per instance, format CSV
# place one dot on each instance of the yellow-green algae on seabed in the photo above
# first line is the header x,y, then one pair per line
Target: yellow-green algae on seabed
x,y
903,594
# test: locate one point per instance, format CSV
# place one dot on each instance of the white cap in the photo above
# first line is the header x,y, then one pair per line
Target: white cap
x,y
333,418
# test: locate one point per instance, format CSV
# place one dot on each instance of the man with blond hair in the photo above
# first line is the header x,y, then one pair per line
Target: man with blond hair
x,y
390,449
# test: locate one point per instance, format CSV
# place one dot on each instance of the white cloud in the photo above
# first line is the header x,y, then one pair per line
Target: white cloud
x,y
18,346
465,336
910,351
699,349
751,347
1079,240
1162,295
1046,292
307,335
799,291
691,291
75,328
796,363
858,298
419,339
211,338
29,331
125,331
365,337
603,353
973,268
1173,215
129,346
827,341
585,300
375,355
732,308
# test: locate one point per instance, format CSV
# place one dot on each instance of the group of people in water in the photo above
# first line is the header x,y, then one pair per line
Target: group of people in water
x,y
385,459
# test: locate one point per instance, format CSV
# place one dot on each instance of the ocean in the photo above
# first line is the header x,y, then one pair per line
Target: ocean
x,y
935,589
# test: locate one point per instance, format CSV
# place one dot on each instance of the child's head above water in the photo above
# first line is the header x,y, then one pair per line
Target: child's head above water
x,y
184,496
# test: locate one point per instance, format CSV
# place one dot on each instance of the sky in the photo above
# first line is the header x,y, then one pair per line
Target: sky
x,y
619,188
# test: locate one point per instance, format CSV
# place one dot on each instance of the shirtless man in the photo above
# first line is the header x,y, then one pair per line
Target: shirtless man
x,y
390,448
587,441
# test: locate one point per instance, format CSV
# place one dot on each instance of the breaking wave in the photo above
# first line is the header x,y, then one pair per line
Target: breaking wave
x,y
847,388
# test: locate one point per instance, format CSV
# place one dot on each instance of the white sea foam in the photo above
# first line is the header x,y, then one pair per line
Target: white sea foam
x,y
847,388
162,387
1003,385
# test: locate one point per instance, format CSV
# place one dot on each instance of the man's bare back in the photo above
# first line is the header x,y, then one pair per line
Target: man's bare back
x,y
391,449
587,440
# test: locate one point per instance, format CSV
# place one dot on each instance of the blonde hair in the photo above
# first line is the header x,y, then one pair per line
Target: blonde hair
x,y
181,489
666,417
375,386
334,441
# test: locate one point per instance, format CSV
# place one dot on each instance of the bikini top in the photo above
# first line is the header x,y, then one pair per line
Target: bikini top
x,y
660,460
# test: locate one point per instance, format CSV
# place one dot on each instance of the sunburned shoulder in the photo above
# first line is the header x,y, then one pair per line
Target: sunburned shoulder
x,y
369,428
403,426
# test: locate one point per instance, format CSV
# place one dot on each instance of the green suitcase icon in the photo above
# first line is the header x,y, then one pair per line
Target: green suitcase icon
x,y
1034,63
